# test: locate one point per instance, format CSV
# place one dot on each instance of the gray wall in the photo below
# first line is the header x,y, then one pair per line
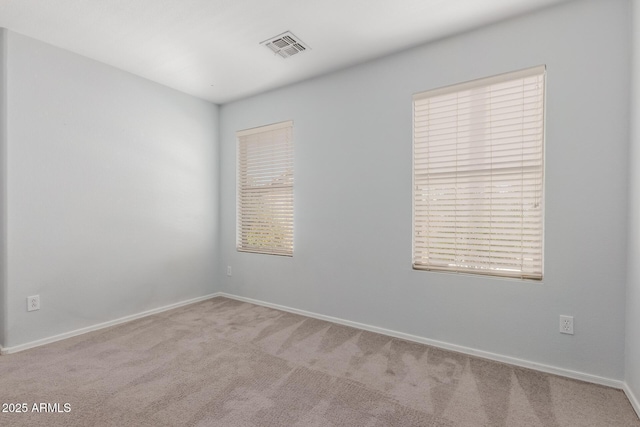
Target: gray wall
x,y
3,234
632,372
352,132
112,193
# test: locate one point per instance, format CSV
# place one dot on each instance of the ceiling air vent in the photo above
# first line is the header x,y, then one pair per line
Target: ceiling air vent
x,y
285,45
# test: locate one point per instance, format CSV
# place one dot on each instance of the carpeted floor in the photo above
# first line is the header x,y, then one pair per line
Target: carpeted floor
x,y
223,362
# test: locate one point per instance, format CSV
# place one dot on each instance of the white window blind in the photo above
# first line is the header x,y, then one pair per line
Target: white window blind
x,y
265,189
478,176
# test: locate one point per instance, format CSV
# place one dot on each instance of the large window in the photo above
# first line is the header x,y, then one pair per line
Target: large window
x,y
265,190
478,176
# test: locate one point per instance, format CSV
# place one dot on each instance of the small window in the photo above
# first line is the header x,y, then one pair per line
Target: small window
x,y
265,190
478,151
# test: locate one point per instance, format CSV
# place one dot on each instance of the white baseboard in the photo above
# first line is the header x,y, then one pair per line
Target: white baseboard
x,y
632,398
444,345
37,343
440,344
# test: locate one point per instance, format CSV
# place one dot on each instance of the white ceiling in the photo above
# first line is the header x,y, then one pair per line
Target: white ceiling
x,y
211,48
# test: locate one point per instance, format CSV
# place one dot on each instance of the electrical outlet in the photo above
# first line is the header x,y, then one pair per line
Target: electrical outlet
x,y
33,303
566,325
228,270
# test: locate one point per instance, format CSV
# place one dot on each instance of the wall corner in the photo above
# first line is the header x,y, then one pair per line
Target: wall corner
x,y
632,320
3,186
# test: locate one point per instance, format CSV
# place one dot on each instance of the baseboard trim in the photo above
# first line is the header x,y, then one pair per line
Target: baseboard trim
x,y
440,344
444,345
43,341
632,398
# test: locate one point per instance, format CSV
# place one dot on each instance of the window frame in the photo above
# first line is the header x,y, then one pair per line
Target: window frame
x,y
418,258
271,160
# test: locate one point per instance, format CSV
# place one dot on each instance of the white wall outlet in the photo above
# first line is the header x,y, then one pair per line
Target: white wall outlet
x,y
566,325
33,303
228,270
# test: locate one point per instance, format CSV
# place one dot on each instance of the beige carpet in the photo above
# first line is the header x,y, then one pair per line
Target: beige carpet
x,y
227,363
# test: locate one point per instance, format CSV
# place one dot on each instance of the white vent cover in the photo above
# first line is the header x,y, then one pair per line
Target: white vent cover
x,y
285,45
